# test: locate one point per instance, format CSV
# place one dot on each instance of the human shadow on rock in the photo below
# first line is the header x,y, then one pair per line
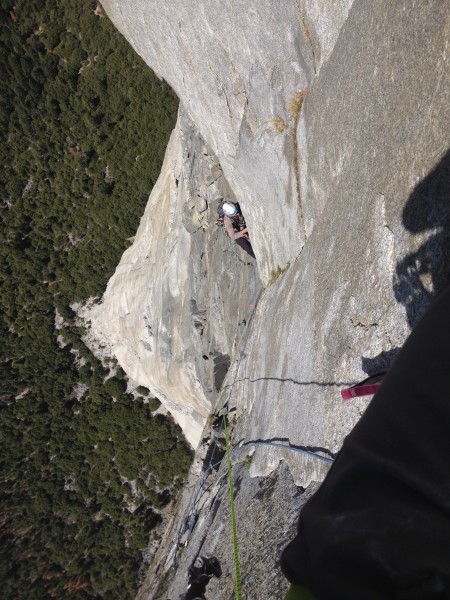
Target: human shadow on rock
x,y
381,362
422,274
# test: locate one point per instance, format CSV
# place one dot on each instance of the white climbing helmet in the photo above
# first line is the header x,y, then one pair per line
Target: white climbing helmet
x,y
229,209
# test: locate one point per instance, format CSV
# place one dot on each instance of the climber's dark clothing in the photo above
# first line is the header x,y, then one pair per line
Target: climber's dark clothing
x,y
196,589
379,526
202,567
199,575
245,245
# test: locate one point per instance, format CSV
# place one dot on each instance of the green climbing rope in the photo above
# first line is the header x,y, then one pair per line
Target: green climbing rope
x,y
237,572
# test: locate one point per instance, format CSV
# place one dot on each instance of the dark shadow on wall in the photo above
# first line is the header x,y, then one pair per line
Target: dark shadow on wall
x,y
221,365
422,274
381,362
288,445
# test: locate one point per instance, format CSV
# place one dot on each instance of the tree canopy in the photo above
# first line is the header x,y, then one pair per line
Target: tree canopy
x,y
85,467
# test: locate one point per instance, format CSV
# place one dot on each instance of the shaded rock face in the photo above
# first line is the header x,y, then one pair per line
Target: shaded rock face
x,y
237,67
170,313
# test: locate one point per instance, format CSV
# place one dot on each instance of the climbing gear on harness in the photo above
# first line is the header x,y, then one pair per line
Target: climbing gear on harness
x,y
365,388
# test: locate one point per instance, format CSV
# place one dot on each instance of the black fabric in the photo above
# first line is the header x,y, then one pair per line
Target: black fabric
x,y
210,566
194,591
379,525
199,577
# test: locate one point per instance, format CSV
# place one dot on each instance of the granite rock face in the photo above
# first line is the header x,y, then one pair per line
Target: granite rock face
x,y
375,173
347,199
353,175
166,312
237,66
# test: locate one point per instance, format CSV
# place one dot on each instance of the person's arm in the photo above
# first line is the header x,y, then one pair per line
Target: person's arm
x,y
241,233
232,234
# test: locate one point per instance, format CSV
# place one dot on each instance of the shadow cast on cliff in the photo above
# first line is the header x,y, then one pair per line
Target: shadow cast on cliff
x,y
289,446
422,274
381,362
293,381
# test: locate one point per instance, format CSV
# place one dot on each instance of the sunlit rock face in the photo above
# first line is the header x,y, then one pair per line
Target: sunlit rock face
x,y
165,313
340,188
237,68
329,123
174,310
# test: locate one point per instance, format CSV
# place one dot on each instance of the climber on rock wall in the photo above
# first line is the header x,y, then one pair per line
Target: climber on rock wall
x,y
232,220
199,575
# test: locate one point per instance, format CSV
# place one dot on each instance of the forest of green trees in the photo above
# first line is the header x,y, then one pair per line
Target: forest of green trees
x,y
85,467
